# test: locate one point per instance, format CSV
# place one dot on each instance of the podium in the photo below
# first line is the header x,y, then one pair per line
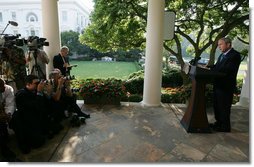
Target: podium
x,y
195,118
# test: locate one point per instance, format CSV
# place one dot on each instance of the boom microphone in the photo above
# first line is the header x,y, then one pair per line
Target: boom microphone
x,y
13,23
9,23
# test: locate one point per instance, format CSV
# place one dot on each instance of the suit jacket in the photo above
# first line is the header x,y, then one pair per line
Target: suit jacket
x,y
229,65
58,63
31,110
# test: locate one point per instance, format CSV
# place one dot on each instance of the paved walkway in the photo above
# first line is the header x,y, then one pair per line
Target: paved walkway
x,y
131,133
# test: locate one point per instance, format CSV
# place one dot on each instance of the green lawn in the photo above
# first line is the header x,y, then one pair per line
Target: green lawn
x,y
120,70
99,69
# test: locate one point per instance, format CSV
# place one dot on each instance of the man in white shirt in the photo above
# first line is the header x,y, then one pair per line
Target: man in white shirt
x,y
7,107
7,98
37,67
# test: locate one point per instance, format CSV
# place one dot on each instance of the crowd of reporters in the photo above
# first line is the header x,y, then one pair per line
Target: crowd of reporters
x,y
35,110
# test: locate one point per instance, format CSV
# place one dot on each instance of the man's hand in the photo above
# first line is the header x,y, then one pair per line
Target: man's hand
x,y
41,86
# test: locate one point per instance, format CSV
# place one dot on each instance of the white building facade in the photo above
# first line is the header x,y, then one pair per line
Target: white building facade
x,y
73,15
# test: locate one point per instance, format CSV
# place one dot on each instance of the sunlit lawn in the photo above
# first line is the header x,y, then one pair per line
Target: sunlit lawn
x,y
120,70
100,69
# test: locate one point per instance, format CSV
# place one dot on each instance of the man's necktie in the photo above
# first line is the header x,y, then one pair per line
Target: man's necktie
x,y
222,57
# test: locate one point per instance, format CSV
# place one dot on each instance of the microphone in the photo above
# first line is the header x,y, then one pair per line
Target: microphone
x,y
13,23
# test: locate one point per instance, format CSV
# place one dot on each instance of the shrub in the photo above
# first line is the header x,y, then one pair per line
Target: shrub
x,y
183,93
94,88
135,98
170,78
176,95
135,85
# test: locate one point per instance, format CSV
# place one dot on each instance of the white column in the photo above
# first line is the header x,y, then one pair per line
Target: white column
x,y
154,49
50,28
245,92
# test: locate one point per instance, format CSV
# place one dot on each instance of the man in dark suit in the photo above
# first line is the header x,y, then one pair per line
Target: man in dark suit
x,y
61,61
29,120
223,87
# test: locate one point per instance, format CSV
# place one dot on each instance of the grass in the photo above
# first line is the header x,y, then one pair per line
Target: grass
x,y
119,70
99,69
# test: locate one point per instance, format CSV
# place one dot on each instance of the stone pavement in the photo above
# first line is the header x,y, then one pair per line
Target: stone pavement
x,y
132,133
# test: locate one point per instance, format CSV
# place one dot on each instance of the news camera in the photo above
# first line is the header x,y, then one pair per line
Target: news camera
x,y
34,43
75,90
7,41
69,77
49,81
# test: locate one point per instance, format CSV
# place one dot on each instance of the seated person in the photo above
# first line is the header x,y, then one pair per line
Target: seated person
x,y
7,107
63,95
29,120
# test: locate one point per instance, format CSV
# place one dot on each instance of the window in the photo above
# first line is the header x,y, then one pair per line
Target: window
x,y
13,16
27,33
64,16
32,32
37,32
31,17
82,21
1,17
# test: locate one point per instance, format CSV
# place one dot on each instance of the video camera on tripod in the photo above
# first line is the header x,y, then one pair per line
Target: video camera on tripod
x,y
34,43
8,41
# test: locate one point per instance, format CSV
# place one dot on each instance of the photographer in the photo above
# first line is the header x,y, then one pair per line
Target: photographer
x,y
7,107
40,62
63,95
30,119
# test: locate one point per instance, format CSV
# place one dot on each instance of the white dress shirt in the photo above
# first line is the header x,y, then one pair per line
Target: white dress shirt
x,y
8,99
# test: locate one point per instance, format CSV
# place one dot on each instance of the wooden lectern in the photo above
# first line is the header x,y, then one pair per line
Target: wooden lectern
x,y
195,118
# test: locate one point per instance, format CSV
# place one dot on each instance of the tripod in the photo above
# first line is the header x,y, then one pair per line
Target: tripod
x,y
36,70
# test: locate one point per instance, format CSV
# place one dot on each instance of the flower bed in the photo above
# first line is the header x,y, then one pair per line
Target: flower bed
x,y
102,91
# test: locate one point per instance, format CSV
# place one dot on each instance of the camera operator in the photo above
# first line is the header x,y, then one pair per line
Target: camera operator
x,y
14,67
63,96
41,60
5,69
36,57
7,107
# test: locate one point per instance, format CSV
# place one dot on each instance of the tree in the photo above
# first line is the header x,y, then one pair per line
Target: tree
x,y
121,24
71,39
115,25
